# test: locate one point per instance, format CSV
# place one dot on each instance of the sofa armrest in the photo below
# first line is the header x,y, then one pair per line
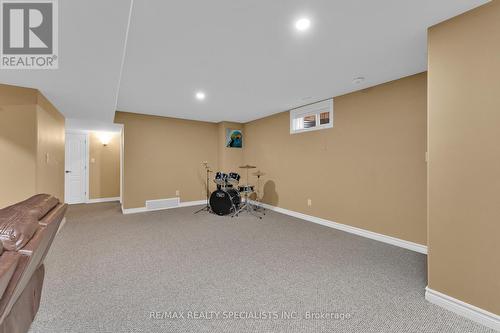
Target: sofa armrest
x,y
8,264
31,258
43,238
54,217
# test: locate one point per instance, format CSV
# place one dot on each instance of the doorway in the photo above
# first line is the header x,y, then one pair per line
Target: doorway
x,y
75,181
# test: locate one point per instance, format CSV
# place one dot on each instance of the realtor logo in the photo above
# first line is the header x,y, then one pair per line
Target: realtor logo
x,y
29,34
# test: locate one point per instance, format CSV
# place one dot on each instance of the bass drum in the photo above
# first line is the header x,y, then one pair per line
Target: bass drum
x,y
224,202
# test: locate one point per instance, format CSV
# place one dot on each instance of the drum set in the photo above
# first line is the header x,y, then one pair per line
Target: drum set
x,y
231,198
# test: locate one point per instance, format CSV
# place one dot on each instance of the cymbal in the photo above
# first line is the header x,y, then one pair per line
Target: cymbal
x,y
258,173
248,166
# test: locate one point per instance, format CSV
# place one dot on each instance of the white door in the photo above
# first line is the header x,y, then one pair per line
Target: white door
x,y
76,168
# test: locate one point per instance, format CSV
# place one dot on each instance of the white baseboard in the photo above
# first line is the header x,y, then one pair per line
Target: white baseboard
x,y
144,209
134,210
192,203
103,200
469,311
350,229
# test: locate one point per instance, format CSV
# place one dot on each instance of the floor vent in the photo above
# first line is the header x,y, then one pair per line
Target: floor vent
x,y
162,203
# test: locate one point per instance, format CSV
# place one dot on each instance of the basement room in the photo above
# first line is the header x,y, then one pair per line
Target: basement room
x,y
249,166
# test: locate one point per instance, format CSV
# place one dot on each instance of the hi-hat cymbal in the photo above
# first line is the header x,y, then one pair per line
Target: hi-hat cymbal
x,y
248,166
258,173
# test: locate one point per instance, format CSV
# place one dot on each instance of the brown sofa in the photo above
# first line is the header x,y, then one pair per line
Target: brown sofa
x,y
27,230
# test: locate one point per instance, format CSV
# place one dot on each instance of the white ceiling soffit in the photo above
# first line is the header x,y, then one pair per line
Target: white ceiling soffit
x,y
249,60
73,124
92,36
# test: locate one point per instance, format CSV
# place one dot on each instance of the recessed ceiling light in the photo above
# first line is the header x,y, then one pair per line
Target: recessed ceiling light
x,y
200,95
358,80
303,24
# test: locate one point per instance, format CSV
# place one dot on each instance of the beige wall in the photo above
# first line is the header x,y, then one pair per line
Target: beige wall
x,y
162,155
50,149
464,157
31,145
368,171
17,144
104,173
229,159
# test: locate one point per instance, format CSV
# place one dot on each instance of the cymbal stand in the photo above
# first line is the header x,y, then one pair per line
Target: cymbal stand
x,y
247,177
207,207
258,204
247,207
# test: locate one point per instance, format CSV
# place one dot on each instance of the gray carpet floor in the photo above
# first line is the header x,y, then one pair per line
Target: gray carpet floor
x,y
108,272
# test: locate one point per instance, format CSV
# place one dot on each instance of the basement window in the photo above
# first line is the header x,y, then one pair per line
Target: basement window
x,y
312,117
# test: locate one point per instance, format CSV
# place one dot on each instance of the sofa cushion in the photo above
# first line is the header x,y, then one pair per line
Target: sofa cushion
x,y
17,227
39,205
19,222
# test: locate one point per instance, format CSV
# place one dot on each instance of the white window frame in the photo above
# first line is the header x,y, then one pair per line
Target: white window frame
x,y
310,110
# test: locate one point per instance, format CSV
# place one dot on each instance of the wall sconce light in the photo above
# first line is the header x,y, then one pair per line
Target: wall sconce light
x,y
104,137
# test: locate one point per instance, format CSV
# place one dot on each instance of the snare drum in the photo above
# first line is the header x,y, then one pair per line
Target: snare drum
x,y
234,178
246,189
221,178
